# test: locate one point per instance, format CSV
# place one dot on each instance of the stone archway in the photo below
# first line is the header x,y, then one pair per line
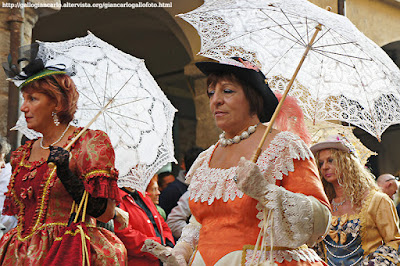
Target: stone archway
x,y
148,33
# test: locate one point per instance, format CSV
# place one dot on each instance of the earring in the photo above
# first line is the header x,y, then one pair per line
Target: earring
x,y
55,118
339,182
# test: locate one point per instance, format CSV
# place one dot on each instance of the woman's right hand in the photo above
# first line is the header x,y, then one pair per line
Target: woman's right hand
x,y
250,180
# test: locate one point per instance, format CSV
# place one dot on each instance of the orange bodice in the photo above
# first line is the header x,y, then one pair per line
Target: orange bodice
x,y
226,227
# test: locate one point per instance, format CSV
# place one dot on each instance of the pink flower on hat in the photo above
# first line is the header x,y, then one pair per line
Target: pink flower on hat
x,y
241,63
249,65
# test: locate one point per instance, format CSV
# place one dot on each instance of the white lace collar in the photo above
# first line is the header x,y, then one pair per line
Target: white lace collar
x,y
208,184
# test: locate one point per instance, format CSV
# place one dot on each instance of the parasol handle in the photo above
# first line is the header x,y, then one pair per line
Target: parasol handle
x,y
51,164
278,108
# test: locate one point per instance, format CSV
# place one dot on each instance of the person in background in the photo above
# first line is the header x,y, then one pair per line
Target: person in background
x,y
154,194
388,183
164,179
364,228
6,222
144,223
171,194
179,216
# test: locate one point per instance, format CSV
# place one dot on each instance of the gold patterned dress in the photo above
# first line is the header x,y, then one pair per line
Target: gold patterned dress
x,y
372,235
42,204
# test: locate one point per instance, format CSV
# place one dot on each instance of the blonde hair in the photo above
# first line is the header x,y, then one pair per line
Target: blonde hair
x,y
355,179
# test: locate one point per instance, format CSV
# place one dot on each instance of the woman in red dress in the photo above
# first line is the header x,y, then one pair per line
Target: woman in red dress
x,y
42,198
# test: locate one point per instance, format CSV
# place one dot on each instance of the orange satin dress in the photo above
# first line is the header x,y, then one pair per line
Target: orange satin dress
x,y
228,218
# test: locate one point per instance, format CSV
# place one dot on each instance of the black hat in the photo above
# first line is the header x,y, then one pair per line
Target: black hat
x,y
248,73
34,70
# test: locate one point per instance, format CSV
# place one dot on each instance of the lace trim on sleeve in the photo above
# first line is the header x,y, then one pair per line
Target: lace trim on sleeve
x,y
191,233
300,254
282,151
293,217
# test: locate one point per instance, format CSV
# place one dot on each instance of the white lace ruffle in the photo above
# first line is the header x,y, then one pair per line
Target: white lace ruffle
x,y
208,184
292,214
287,255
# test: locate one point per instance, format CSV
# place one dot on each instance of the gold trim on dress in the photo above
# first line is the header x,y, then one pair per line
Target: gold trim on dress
x,y
252,247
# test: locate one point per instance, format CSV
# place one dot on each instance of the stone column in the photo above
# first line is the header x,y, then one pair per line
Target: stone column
x,y
9,19
4,51
206,132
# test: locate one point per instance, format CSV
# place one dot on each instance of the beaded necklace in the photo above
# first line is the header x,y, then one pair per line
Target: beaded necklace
x,y
335,205
58,140
238,138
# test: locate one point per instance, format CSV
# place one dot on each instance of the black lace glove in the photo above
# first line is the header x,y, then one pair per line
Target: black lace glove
x,y
73,184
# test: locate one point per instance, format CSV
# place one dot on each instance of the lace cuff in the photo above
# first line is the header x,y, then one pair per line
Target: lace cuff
x,y
383,255
293,216
191,233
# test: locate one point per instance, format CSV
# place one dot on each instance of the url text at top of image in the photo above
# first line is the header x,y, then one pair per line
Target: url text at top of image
x,y
102,5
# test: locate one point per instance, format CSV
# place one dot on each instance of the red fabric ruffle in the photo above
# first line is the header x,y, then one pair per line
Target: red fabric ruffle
x,y
103,185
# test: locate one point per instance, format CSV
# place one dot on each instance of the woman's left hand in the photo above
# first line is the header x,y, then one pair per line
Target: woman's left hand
x,y
163,253
250,180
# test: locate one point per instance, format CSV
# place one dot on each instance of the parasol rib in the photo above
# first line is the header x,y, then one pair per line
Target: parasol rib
x,y
278,108
51,164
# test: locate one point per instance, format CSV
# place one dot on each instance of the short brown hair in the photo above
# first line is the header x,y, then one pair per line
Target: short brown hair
x,y
254,98
60,88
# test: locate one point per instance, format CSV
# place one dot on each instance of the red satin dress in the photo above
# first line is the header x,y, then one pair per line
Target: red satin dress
x,y
42,204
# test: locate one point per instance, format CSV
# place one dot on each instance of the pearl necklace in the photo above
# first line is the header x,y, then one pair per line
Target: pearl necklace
x,y
59,139
335,205
236,139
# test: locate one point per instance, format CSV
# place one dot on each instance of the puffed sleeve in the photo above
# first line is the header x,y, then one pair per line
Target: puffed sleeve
x,y
381,222
305,182
298,216
93,160
301,210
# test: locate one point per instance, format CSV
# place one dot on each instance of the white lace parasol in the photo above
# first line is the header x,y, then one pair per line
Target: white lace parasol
x,y
139,117
347,76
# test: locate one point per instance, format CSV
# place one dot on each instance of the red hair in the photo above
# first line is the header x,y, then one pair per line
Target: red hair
x,y
291,118
153,180
60,88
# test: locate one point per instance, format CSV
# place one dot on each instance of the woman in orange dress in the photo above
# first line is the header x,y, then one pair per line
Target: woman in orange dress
x,y
229,194
42,198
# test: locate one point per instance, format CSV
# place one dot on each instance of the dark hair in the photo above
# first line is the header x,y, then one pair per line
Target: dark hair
x,y
191,155
5,147
254,98
161,178
60,88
